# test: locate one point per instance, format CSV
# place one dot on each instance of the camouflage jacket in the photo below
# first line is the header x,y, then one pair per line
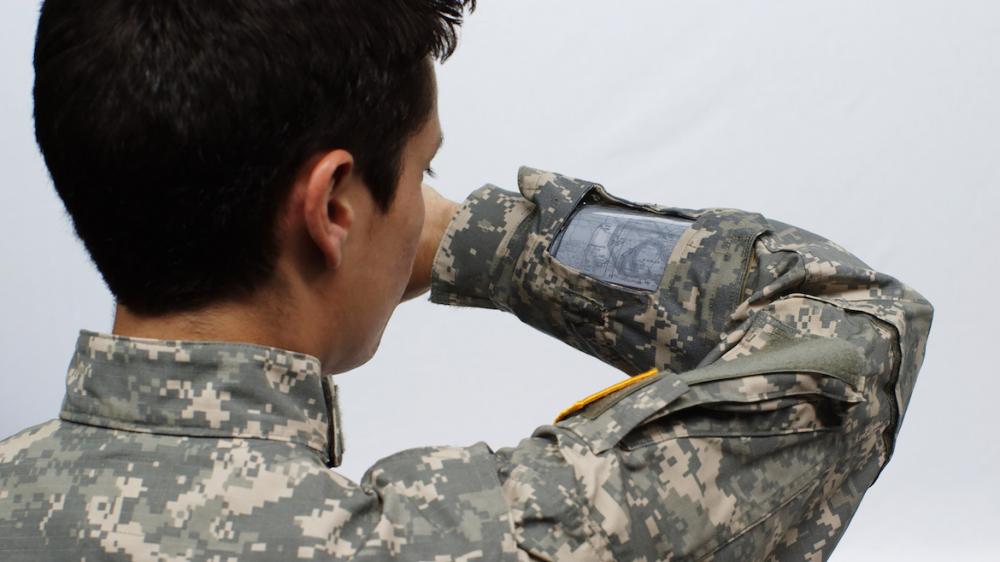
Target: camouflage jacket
x,y
775,365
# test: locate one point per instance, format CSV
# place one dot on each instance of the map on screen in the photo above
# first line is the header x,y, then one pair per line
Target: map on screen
x,y
619,245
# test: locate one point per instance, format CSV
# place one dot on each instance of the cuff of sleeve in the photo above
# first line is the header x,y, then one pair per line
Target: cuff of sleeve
x,y
474,262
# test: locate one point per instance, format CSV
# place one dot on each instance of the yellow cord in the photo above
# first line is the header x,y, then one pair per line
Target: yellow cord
x,y
576,407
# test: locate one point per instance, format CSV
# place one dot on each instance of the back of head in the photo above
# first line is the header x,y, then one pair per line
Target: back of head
x,y
173,129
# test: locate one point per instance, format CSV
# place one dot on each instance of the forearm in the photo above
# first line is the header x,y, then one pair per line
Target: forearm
x,y
496,254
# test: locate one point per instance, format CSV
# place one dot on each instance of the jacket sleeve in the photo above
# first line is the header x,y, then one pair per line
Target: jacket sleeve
x,y
776,368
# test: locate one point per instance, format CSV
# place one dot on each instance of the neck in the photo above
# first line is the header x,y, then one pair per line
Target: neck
x,y
233,322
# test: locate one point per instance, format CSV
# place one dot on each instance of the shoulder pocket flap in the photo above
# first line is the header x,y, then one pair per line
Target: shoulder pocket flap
x,y
605,422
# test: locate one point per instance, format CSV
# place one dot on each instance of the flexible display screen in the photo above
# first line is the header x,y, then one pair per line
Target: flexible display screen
x,y
619,245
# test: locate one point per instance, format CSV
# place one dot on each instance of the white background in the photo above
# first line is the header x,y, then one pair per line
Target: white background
x,y
875,123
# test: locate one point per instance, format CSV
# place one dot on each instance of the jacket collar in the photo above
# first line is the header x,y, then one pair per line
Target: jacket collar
x,y
203,389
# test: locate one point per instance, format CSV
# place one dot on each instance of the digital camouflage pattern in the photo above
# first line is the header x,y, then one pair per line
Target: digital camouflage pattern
x,y
784,367
170,450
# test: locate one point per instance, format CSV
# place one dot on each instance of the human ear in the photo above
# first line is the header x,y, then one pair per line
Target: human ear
x,y
328,211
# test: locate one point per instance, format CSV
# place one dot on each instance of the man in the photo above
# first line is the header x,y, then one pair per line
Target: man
x,y
247,178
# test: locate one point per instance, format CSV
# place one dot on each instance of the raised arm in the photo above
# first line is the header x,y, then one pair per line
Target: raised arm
x,y
766,337
775,368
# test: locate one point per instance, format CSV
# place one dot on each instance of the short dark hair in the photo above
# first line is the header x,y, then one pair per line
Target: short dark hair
x,y
173,129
